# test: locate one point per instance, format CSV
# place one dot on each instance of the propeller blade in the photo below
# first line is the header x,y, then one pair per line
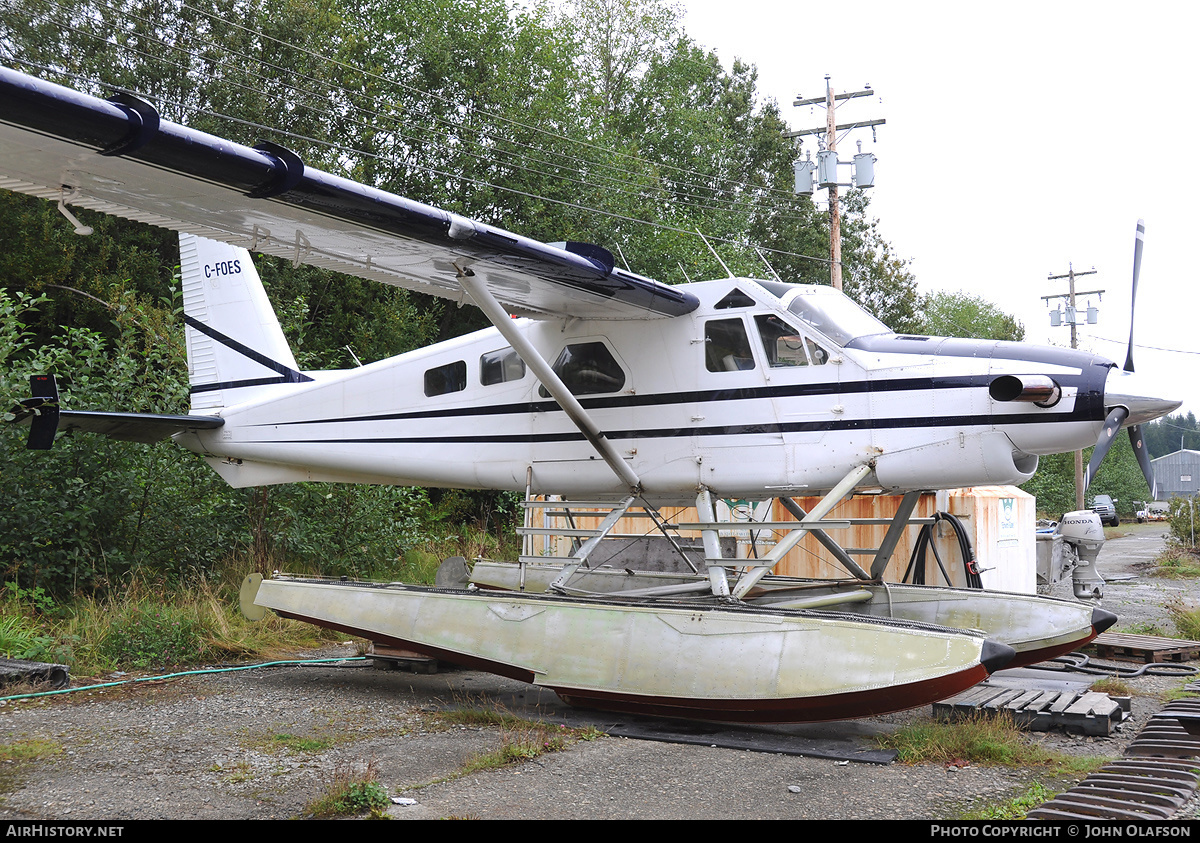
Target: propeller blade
x,y
1137,269
1143,458
1107,436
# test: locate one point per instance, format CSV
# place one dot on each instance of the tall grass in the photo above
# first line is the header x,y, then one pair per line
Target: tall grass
x,y
149,627
20,638
1177,562
977,740
153,625
350,792
1186,618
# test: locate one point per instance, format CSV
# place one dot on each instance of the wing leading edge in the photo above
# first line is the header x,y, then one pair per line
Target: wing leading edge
x,y
118,157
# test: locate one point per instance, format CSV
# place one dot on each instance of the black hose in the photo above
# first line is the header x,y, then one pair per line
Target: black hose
x,y
916,562
1081,664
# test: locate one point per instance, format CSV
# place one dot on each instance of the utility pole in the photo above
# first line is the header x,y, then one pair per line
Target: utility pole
x,y
1072,314
835,212
829,179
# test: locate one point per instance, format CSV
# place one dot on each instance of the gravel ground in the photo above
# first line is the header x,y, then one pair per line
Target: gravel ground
x,y
209,747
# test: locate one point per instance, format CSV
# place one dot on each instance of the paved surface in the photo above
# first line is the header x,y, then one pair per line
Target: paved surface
x,y
1139,599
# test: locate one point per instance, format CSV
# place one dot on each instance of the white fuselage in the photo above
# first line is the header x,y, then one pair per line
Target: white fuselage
x,y
683,413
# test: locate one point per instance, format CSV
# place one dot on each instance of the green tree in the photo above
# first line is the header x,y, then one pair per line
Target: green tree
x,y
1119,476
84,516
618,40
1172,433
877,278
946,314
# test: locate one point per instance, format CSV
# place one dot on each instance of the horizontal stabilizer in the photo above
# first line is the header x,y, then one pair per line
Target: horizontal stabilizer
x,y
134,427
128,427
45,419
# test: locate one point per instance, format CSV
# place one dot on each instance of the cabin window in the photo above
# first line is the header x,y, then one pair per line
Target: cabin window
x,y
736,298
444,379
726,346
588,368
501,367
785,346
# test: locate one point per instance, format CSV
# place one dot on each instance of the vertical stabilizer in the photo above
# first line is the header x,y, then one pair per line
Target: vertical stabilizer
x,y
235,347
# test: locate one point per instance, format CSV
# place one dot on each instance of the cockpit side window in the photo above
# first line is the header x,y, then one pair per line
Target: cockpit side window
x,y
726,346
588,368
782,344
785,345
818,355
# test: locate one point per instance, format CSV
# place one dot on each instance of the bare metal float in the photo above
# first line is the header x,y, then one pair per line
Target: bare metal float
x,y
1037,628
695,659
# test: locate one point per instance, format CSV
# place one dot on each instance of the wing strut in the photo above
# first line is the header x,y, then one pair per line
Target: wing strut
x,y
810,522
542,371
899,523
826,540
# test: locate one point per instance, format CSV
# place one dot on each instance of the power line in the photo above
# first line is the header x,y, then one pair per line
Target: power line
x,y
1150,347
420,92
357,111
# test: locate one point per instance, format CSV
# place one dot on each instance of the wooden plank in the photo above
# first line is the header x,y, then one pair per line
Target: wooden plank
x,y
1043,702
1063,702
976,696
1001,700
1092,703
1020,703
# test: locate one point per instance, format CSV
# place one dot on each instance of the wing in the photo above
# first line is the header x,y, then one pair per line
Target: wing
x,y
116,156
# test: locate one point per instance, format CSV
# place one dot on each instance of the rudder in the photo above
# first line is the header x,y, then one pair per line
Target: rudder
x,y
235,347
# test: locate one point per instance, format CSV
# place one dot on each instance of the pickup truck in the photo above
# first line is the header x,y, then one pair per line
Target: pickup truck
x,y
1106,508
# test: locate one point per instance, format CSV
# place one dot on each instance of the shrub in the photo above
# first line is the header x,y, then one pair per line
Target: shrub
x,y
148,635
348,793
1186,618
19,639
1184,522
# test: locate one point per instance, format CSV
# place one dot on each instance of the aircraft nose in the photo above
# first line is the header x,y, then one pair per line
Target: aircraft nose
x,y
1131,391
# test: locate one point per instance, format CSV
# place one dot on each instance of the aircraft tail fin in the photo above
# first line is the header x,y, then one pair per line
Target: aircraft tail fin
x,y
235,347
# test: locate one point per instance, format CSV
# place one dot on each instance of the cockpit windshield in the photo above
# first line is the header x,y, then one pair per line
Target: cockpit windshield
x,y
834,315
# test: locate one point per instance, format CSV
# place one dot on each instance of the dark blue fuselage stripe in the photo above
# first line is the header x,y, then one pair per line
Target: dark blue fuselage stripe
x,y
213,387
702,397
287,374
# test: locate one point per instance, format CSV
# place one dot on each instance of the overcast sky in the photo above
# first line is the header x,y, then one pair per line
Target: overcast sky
x,y
1021,137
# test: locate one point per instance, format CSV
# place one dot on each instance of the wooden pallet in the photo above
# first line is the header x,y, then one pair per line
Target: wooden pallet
x,y
387,657
1146,649
1039,711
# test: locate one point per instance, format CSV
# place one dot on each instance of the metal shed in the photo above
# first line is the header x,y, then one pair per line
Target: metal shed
x,y
1177,474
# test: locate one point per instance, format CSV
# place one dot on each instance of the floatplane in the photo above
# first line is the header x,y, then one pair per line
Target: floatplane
x,y
594,384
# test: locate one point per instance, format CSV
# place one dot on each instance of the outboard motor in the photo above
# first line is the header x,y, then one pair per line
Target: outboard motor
x,y
1072,546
